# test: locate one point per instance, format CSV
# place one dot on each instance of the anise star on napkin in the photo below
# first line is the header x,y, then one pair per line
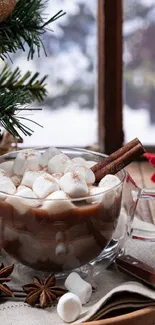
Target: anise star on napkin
x,y
43,292
4,274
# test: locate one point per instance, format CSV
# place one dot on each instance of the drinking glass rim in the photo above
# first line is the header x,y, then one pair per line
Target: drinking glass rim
x,y
123,171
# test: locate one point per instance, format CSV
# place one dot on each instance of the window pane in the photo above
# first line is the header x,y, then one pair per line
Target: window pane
x,y
139,70
69,115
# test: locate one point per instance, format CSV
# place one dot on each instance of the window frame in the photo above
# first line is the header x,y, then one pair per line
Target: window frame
x,y
110,74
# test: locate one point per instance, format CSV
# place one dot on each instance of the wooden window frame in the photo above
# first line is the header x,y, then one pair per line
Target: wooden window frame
x,y
110,49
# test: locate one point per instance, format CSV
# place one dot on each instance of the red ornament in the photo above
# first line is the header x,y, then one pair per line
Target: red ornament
x,y
6,9
151,158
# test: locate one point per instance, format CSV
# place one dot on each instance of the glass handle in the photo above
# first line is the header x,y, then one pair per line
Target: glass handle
x,y
140,229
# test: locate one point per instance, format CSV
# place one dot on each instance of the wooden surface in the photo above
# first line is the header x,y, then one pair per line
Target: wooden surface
x,y
144,316
141,172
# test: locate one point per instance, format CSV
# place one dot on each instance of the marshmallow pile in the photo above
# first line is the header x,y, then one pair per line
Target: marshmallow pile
x,y
48,180
70,304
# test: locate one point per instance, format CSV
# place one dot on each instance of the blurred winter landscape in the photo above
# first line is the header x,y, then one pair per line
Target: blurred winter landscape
x,y
69,115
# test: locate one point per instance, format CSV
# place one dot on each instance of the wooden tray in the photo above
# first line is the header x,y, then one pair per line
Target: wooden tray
x,y
144,316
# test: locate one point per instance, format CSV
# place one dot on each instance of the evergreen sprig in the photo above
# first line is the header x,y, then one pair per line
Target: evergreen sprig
x,y
25,27
11,103
13,81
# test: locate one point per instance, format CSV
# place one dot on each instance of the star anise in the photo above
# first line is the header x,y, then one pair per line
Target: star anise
x,y
43,292
4,273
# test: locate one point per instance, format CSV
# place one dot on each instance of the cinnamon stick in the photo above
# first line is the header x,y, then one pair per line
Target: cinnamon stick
x,y
120,159
115,155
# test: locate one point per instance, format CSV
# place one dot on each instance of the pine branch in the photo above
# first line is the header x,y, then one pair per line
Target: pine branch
x,y
11,103
25,27
13,81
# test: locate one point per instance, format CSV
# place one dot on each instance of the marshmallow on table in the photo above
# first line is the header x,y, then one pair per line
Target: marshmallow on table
x,y
74,184
47,155
83,170
26,159
45,185
69,307
30,176
16,179
75,284
58,202
7,166
59,163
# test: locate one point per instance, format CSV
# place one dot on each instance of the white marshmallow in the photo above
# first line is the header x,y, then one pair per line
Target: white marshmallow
x,y
83,170
69,307
21,187
59,236
47,155
90,163
60,249
30,176
74,184
57,176
26,192
3,173
16,180
109,181
58,163
45,185
6,184
18,203
79,287
102,195
58,202
97,193
26,159
2,197
7,166
79,161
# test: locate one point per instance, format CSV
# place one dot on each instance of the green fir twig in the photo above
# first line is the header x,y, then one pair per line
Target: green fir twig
x,y
11,103
13,81
25,27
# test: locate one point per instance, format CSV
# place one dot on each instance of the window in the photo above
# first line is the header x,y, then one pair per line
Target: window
x,y
139,70
84,64
69,114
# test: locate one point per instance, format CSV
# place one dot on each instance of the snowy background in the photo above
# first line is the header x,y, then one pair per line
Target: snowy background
x,y
69,115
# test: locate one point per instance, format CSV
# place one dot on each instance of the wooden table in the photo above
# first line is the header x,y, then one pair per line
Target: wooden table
x,y
141,172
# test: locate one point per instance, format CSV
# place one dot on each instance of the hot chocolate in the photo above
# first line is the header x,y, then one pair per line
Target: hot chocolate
x,y
56,223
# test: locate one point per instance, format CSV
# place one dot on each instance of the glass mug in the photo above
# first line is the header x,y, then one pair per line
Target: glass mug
x,y
75,232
